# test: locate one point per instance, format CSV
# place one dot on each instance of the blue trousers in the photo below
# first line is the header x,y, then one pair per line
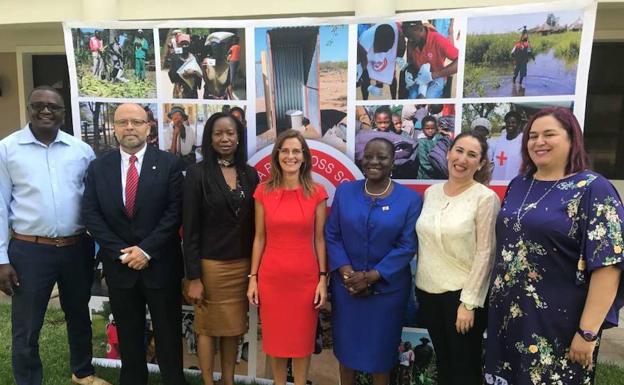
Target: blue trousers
x,y
38,268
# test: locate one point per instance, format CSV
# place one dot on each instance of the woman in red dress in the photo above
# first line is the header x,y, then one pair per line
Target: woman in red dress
x,y
288,266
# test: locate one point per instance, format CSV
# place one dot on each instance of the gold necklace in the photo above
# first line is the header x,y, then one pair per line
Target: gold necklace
x,y
377,194
523,210
225,162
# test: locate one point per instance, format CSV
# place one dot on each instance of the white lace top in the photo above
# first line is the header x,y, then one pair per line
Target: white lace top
x,y
456,242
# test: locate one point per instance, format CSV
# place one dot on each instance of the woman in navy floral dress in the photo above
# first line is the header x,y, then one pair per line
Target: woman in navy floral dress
x,y
556,283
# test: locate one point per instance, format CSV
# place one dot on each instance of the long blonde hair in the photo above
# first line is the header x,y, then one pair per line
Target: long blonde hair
x,y
276,179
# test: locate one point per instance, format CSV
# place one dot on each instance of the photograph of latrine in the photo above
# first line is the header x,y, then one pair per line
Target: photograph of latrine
x,y
301,83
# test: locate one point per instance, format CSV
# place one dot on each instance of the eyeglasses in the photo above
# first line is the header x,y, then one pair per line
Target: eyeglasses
x,y
293,152
40,106
134,123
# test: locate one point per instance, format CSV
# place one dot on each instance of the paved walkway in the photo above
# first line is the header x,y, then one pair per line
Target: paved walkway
x,y
612,348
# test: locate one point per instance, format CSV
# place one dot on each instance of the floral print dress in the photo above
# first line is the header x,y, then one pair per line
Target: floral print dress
x,y
550,237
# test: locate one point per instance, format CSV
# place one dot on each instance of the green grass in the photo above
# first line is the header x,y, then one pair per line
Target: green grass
x,y
496,48
55,357
478,80
609,374
89,85
490,55
54,351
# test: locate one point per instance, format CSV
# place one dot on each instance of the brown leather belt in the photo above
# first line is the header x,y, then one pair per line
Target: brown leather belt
x,y
58,242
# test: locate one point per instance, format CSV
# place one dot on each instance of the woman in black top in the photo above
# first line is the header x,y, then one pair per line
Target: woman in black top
x,y
218,236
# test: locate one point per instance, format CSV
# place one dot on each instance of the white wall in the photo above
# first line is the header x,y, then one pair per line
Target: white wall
x,y
41,11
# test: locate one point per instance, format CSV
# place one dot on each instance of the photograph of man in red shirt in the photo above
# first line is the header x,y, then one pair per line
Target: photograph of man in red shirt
x,y
435,58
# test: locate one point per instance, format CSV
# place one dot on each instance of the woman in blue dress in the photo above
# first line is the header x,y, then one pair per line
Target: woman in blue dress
x,y
370,241
556,282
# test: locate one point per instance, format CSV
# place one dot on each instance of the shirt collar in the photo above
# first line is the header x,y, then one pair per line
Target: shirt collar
x,y
125,157
27,136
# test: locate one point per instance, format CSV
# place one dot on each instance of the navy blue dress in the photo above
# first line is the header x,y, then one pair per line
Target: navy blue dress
x,y
371,234
545,256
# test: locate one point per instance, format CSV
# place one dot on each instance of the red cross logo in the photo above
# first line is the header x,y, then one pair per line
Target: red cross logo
x,y
379,66
501,158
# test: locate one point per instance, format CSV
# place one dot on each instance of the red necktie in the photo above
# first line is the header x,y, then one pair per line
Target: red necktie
x,y
132,182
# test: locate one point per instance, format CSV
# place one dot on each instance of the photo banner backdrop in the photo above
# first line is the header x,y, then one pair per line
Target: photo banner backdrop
x,y
417,79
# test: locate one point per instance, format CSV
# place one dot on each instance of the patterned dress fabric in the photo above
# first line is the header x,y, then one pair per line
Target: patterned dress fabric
x,y
550,237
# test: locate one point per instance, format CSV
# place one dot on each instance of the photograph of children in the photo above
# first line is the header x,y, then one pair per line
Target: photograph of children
x,y
203,63
416,359
183,127
97,125
415,364
115,63
523,55
106,336
408,60
301,83
502,124
421,135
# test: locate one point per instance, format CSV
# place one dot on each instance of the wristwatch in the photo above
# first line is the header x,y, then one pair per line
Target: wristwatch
x,y
587,335
469,307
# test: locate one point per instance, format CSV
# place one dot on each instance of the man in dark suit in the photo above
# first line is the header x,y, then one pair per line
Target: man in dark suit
x,y
132,207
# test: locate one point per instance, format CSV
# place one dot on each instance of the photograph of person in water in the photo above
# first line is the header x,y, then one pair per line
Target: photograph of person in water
x,y
532,54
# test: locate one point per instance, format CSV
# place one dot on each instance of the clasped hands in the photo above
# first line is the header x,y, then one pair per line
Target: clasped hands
x,y
135,258
358,283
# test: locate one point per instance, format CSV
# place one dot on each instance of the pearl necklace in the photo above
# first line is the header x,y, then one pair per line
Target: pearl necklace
x,y
523,210
377,194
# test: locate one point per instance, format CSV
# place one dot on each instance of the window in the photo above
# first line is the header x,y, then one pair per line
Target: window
x,y
604,116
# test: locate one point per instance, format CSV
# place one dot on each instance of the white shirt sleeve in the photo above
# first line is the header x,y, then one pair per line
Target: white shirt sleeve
x,y
476,286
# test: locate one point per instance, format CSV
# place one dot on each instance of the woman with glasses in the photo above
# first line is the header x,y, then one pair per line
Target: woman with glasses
x,y
371,241
218,235
288,266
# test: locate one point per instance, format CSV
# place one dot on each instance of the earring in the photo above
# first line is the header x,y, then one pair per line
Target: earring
x,y
479,169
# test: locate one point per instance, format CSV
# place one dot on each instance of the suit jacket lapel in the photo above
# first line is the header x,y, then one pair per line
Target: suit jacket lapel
x,y
115,179
149,170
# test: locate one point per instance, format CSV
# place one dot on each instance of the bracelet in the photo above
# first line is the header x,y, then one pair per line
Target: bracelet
x,y
252,275
322,273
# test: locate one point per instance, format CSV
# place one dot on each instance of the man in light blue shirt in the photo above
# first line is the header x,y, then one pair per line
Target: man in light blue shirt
x,y
42,239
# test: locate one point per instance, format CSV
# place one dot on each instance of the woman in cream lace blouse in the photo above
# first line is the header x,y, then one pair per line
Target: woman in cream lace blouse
x,y
455,257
